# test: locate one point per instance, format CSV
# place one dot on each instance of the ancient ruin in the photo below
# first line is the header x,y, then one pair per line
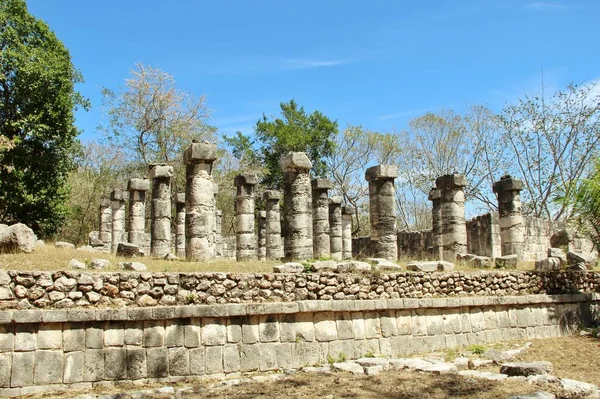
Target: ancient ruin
x,y
160,239
320,218
452,215
273,225
382,211
117,201
511,218
180,225
137,210
335,227
244,213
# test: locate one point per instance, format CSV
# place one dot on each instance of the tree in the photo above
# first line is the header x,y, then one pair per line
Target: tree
x,y
38,135
152,120
553,141
294,131
585,205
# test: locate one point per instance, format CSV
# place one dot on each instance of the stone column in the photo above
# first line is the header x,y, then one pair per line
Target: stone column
x,y
436,223
273,228
105,224
320,213
347,212
117,203
180,225
215,234
382,203
218,238
160,230
335,228
511,218
452,214
297,207
137,211
262,235
199,201
245,247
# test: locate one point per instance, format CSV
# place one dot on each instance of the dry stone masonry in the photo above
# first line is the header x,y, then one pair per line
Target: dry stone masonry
x,y
273,225
320,217
298,233
335,226
511,218
244,214
180,225
160,241
382,201
137,210
454,231
199,201
117,201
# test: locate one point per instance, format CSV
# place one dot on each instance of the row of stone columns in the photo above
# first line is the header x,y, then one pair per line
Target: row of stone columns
x,y
448,216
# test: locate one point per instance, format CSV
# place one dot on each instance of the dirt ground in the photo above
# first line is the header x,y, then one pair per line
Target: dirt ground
x,y
574,357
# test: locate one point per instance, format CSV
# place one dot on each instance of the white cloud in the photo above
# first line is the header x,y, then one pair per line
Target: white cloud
x,y
396,115
267,64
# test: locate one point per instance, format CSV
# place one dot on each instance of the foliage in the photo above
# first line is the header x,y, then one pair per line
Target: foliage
x,y
586,205
294,131
100,169
153,121
477,349
552,141
38,140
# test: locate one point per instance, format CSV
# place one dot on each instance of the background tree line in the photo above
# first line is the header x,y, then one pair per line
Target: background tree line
x,y
52,182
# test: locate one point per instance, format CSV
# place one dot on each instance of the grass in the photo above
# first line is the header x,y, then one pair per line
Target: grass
x,y
51,258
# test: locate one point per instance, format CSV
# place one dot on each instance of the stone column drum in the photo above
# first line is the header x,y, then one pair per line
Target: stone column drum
x,y
215,234
273,229
436,223
105,223
180,225
347,212
218,237
160,230
245,247
382,202
452,214
199,201
297,207
137,210
510,216
335,228
320,210
117,202
262,235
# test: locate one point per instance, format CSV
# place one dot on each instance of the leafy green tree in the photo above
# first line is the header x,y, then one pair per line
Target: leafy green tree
x,y
585,205
37,101
295,131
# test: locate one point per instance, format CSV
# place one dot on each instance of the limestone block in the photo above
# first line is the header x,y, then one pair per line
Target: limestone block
x,y
526,369
48,367
179,361
548,264
49,336
268,357
154,333
321,184
507,262
22,369
5,368
180,198
157,360
93,365
507,183
430,266
246,179
231,359
295,161
268,328
325,327
138,184
200,152
134,333
214,332
118,195
160,171
381,172
25,337
214,359
452,180
74,367
197,361
272,195
558,253
136,363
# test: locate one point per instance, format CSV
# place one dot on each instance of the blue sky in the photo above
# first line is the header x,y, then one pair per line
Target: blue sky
x,y
374,63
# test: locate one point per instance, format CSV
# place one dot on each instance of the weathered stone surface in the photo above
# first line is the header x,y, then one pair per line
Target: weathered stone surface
x,y
137,266
535,395
347,212
64,244
578,388
548,264
99,264
430,266
128,250
382,211
290,267
384,264
17,238
350,367
353,265
381,172
507,262
484,375
200,153
558,253
452,215
574,258
138,184
295,161
76,264
244,214
526,368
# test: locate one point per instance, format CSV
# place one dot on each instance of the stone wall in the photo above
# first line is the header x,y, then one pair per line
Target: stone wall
x,y
537,236
78,349
483,235
415,245
68,289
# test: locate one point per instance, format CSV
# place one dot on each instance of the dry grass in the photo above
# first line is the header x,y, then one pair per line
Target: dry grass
x,y
51,258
